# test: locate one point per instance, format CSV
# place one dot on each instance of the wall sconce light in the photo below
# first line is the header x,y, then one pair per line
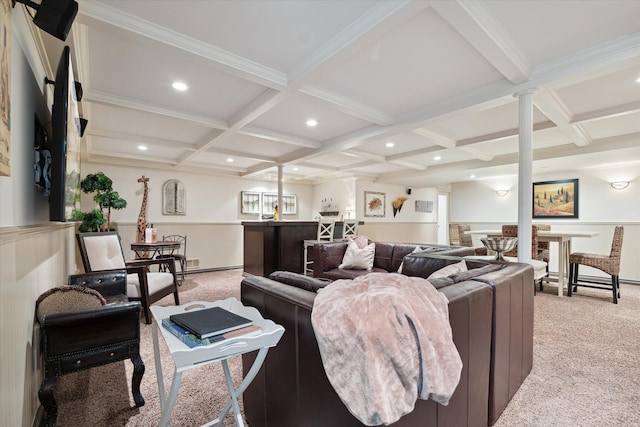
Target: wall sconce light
x,y
619,185
53,16
502,193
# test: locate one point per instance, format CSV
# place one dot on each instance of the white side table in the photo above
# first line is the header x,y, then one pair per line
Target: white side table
x,y
185,358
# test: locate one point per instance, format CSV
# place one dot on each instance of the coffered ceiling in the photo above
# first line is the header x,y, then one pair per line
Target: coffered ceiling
x,y
435,78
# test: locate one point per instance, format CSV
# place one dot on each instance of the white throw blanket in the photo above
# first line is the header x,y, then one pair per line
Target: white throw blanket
x,y
385,341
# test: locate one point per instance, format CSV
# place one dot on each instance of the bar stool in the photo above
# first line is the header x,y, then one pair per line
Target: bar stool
x,y
349,228
325,235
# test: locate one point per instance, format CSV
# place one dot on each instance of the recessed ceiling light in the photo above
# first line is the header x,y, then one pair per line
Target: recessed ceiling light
x,y
472,176
295,169
312,122
437,158
638,80
180,86
389,144
229,160
142,147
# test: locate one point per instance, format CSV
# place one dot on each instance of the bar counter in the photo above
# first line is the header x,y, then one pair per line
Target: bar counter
x,y
278,245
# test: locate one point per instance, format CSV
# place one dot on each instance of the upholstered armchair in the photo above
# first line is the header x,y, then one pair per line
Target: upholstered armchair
x,y
86,324
102,251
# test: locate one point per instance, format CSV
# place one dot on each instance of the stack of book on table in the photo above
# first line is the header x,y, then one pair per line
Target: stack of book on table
x,y
207,326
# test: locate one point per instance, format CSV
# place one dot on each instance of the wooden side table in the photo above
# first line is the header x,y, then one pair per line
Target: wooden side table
x,y
185,358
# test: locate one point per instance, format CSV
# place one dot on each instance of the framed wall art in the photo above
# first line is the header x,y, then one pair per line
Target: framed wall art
x,y
555,199
374,204
249,202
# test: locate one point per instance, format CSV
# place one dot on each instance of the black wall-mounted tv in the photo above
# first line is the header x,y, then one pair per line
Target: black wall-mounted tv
x,y
65,143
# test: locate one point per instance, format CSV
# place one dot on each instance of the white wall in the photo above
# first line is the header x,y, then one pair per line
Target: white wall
x,y
209,198
600,209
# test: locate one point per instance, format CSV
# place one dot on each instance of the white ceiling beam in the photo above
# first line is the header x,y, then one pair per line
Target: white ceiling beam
x,y
368,28
141,139
413,153
503,134
241,154
364,155
271,135
436,138
222,60
107,99
614,111
410,165
475,22
480,155
550,105
349,106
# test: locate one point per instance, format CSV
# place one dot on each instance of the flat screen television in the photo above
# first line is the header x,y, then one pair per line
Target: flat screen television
x,y
65,143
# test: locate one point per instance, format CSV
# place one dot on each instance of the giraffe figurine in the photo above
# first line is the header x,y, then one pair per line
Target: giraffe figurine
x,y
142,217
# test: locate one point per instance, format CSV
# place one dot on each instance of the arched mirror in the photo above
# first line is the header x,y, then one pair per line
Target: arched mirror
x,y
173,198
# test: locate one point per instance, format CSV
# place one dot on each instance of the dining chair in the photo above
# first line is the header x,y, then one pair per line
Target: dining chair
x,y
457,234
539,267
103,251
180,254
609,264
543,249
87,323
324,235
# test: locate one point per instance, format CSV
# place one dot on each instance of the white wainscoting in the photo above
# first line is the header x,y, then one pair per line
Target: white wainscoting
x,y
32,260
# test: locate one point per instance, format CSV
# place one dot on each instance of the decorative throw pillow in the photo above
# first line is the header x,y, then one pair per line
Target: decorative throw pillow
x,y
358,259
449,270
361,241
415,251
65,298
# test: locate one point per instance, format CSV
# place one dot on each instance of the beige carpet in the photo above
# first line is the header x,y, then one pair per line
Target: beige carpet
x,y
586,368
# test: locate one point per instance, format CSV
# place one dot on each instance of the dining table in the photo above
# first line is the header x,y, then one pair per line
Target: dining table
x,y
562,238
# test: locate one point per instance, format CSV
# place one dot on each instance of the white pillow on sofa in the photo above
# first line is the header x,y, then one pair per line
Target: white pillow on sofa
x,y
449,270
358,259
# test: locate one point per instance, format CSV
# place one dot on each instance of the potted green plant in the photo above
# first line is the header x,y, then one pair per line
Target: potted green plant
x,y
105,197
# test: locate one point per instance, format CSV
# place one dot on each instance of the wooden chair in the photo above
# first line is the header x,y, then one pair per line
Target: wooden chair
x,y
543,249
180,255
325,235
88,324
349,228
610,264
102,251
540,268
457,234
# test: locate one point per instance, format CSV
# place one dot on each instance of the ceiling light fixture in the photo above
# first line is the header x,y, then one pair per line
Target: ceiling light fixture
x,y
472,176
142,147
229,160
180,86
389,144
312,123
638,80
436,158
502,193
619,185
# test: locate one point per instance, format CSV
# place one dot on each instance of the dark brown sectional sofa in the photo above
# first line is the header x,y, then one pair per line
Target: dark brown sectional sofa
x,y
491,314
388,257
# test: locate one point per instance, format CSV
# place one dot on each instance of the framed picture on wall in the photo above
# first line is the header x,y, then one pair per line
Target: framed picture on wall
x,y
555,199
249,202
374,204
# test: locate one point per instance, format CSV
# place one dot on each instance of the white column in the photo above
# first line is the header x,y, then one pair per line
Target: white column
x,y
280,183
525,175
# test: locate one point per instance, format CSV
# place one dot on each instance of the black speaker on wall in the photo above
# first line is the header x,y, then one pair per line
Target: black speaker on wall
x,y
409,191
53,16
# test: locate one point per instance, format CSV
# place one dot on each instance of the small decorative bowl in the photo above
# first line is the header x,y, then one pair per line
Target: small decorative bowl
x,y
499,245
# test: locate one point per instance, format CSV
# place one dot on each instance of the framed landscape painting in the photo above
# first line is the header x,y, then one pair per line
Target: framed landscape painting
x,y
555,199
